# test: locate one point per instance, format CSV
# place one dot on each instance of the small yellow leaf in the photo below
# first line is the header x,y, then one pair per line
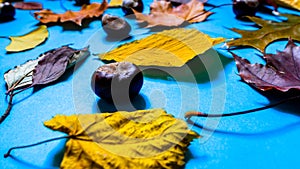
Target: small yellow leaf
x,y
170,48
289,3
28,41
115,3
140,139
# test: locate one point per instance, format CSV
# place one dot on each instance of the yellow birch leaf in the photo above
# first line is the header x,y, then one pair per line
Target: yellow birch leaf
x,y
115,3
28,41
289,3
169,48
140,139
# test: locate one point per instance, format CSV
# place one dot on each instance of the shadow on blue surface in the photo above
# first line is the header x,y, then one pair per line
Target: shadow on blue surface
x,y
29,165
137,103
202,72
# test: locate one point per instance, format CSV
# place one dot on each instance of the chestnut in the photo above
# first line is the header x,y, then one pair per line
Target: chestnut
x,y
7,11
128,5
115,26
245,7
118,81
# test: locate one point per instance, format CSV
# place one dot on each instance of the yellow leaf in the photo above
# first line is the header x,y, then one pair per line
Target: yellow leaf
x,y
289,3
28,41
140,139
170,48
115,3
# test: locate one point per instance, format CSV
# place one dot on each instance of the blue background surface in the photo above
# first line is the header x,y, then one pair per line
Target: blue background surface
x,y
267,139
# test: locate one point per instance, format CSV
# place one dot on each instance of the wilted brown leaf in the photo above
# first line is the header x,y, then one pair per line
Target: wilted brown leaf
x,y
140,139
87,11
163,13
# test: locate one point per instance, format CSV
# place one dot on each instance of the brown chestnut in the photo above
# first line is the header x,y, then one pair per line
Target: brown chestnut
x,y
119,81
115,26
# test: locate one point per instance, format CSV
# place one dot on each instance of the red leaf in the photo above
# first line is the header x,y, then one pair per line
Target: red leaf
x,y
28,5
281,72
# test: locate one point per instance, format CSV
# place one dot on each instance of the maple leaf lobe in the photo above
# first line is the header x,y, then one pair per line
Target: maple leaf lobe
x,y
281,72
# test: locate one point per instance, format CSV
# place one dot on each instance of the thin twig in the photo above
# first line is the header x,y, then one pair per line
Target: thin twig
x,y
44,141
188,115
8,109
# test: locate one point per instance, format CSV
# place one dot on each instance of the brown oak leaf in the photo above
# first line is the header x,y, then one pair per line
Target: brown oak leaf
x,y
87,11
281,72
164,14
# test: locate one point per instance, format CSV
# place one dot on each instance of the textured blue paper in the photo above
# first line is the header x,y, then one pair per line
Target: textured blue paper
x,y
265,140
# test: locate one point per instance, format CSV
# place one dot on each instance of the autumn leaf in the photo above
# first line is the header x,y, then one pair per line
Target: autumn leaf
x,y
140,139
164,14
115,3
281,71
170,48
28,41
45,69
28,5
87,11
289,3
25,71
269,32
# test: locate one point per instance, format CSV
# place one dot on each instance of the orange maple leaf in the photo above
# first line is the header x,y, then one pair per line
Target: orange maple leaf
x,y
163,13
87,11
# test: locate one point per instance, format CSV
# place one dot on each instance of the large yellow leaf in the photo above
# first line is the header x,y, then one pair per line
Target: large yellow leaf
x,y
289,3
28,41
170,48
140,139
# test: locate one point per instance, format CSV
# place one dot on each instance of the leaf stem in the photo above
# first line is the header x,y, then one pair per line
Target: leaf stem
x,y
35,144
218,6
44,141
188,115
8,109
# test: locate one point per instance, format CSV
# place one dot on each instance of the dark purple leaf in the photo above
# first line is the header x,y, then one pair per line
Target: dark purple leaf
x,y
281,72
52,66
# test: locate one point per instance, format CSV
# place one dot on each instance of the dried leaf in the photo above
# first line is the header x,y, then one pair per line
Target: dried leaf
x,y
87,11
281,71
170,48
289,3
269,32
163,13
28,5
140,139
28,41
115,3
14,75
